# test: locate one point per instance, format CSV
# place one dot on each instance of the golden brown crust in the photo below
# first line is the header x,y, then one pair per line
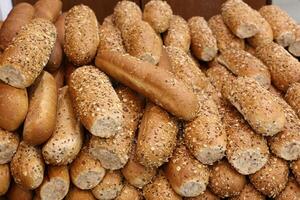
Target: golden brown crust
x,y
48,9
60,28
129,193
294,48
295,167
4,178
55,58
59,76
291,191
9,143
292,97
16,192
249,193
77,194
206,195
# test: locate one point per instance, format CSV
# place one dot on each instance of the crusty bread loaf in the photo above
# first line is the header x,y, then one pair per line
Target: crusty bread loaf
x,y
294,48
28,54
60,28
77,194
249,193
9,143
48,9
291,191
156,83
95,102
295,167
20,15
16,192
129,193
67,138
4,178
206,195
81,35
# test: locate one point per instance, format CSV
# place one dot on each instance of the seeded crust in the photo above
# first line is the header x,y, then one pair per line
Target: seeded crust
x,y
9,143
272,178
81,35
27,166
239,17
77,194
295,167
294,48
291,191
48,9
67,138
16,191
282,24
129,193
29,52
178,34
158,14
249,193
95,102
4,178
206,195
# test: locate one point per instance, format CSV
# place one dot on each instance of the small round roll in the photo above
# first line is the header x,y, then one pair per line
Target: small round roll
x,y
225,38
292,96
129,193
77,194
16,192
295,167
96,102
294,48
204,44
206,195
9,143
85,171
81,35
48,9
60,28
27,166
272,178
109,187
249,193
225,181
158,14
4,178
187,176
290,192
282,24
178,34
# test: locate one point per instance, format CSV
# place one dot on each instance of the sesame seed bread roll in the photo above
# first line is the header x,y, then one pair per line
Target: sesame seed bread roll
x,y
256,104
160,189
41,117
272,178
225,181
20,15
206,195
294,48
16,192
156,83
60,28
239,17
242,63
178,34
249,193
291,191
67,138
48,9
156,137
295,167
109,187
27,166
204,44
59,77
187,176
292,97
4,178
158,14
225,38
29,52
282,24
77,194
9,143
129,193
81,35
95,101
56,185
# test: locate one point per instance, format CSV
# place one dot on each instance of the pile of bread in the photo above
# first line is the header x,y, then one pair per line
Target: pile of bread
x,y
148,105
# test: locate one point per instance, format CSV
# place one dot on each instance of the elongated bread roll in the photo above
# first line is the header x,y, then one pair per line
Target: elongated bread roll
x,y
178,34
158,14
129,193
77,194
282,24
206,195
16,192
70,68
291,191
225,181
109,187
295,167
204,44
294,48
292,96
249,193
59,77
284,68
81,35
48,9
20,15
272,178
29,52
27,166
60,28
67,138
4,178
156,83
55,58
113,153
9,143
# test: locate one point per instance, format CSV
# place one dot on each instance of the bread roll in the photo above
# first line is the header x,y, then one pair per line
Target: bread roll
x,y
294,48
77,194
158,14
292,97
16,192
109,187
81,35
109,20
113,153
9,143
48,9
291,191
60,28
250,49
29,52
282,24
55,58
204,44
272,178
295,167
249,193
20,15
4,178
129,193
70,68
66,140
178,34
156,83
58,76
27,166
206,195
225,181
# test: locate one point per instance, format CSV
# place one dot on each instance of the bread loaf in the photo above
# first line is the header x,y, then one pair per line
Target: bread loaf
x,y
206,195
48,9
60,28
4,178
292,96
249,193
55,58
291,191
9,143
77,194
129,192
16,192
294,48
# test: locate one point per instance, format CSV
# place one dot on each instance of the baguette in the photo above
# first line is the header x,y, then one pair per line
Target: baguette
x,y
95,102
81,35
9,143
291,191
284,68
16,192
282,24
206,195
249,193
113,153
67,138
225,38
41,117
29,52
156,83
77,194
48,9
294,48
204,44
292,97
158,14
58,76
4,178
272,178
60,28
295,168
178,34
129,193
27,166
20,15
